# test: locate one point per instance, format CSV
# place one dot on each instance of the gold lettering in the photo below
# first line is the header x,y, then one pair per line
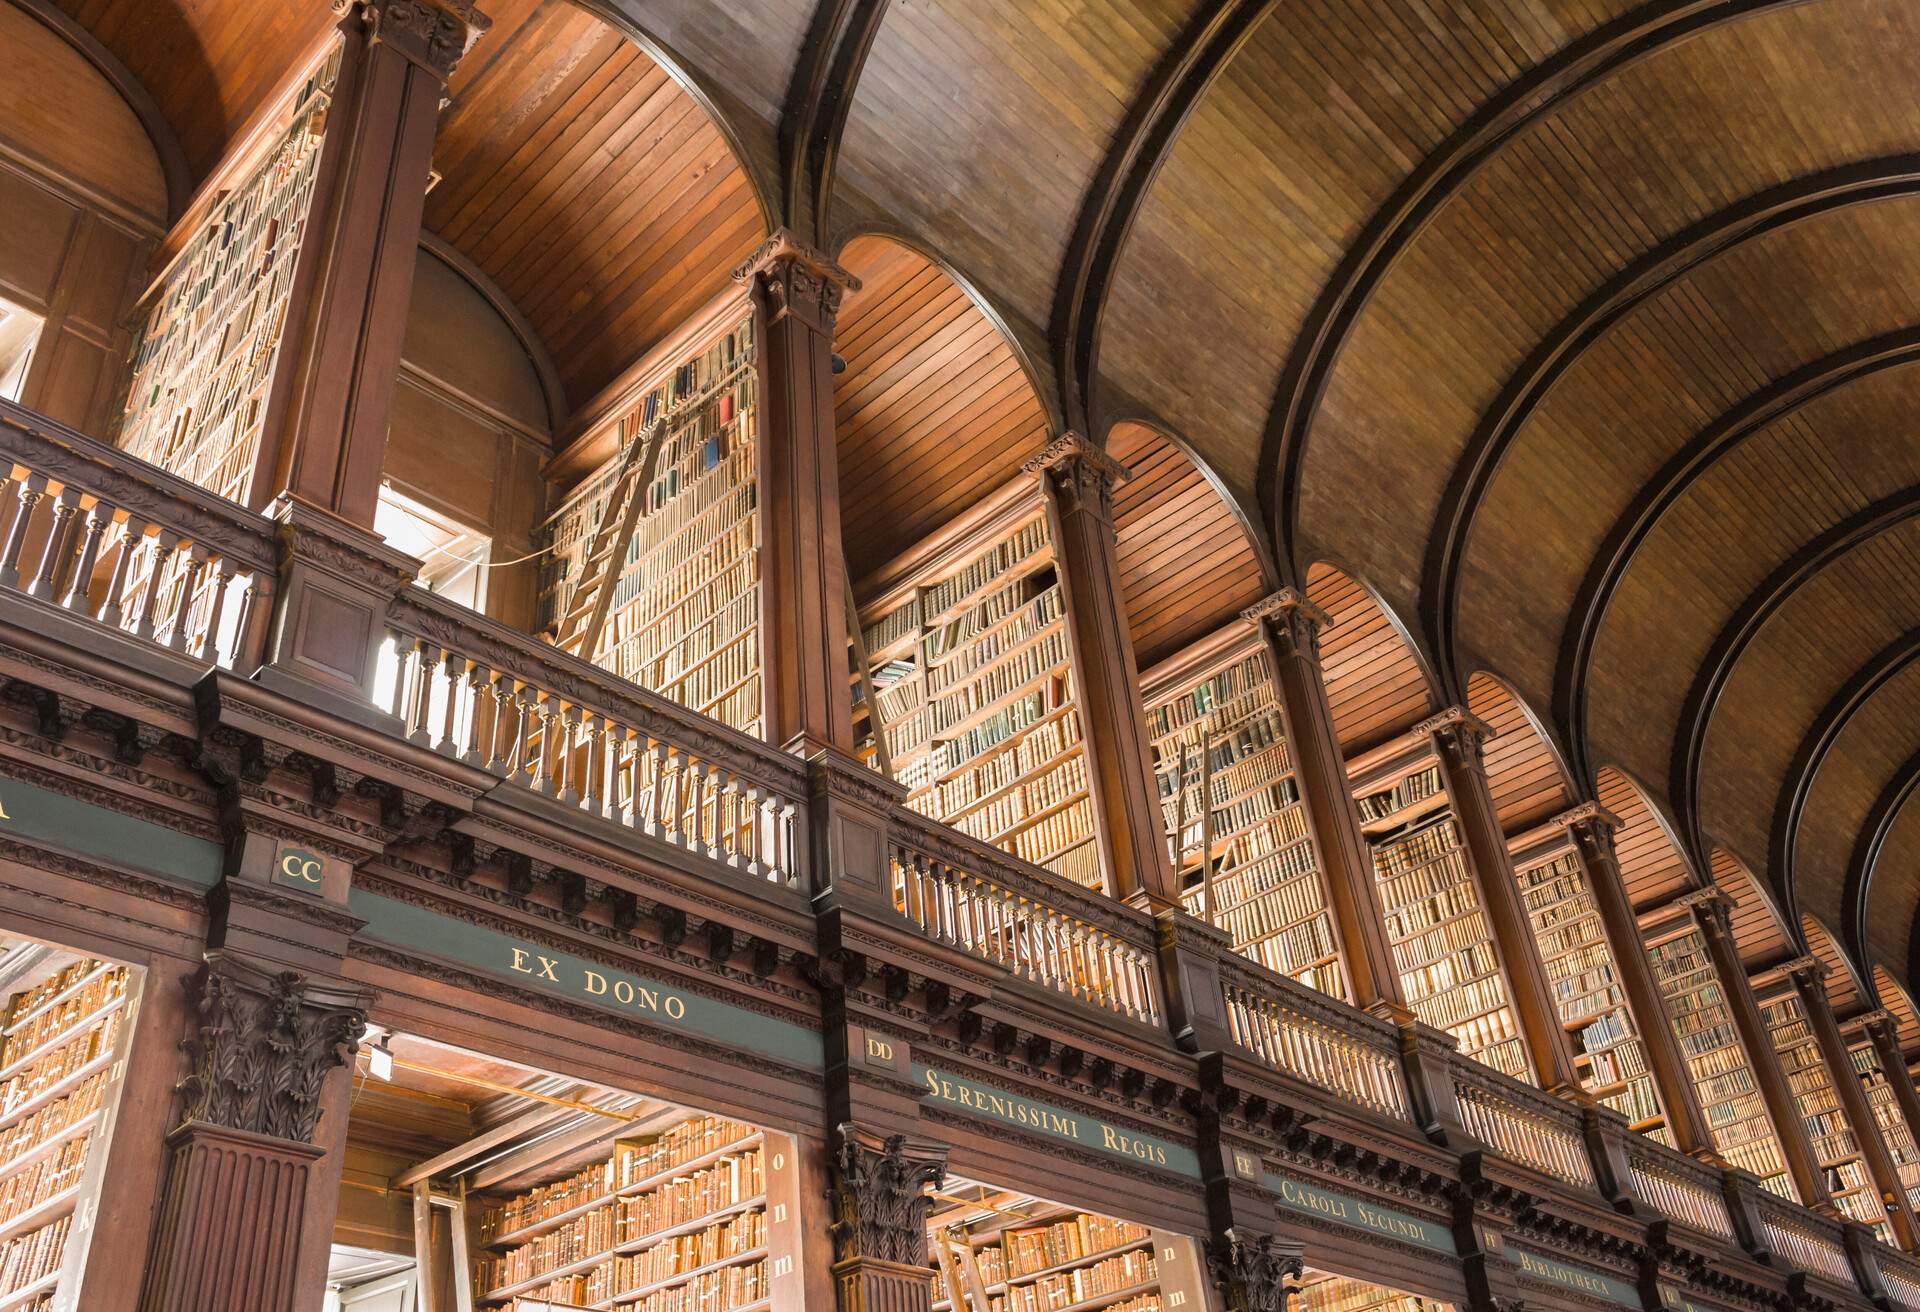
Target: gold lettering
x,y
596,983
878,1050
1177,1298
520,961
546,968
676,1007
649,1000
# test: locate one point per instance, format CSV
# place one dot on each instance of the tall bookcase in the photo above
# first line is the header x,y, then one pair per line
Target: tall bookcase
x,y
1231,808
1895,1133
1443,945
1717,1061
1039,1257
1829,1133
205,360
703,1216
62,1058
1320,1292
683,618
969,660
1608,1051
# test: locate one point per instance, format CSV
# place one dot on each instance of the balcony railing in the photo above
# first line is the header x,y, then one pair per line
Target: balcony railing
x,y
548,722
1802,1238
1521,1123
109,539
1030,921
1304,1034
1900,1275
1678,1187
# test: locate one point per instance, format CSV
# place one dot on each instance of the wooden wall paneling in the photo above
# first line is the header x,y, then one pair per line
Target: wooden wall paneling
x,y
1895,998
1651,864
1523,771
1375,682
1844,994
1759,934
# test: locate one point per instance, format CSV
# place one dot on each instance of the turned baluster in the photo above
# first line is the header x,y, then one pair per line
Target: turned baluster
x,y
480,715
165,544
208,648
32,490
452,670
401,698
99,519
179,620
568,782
53,554
132,538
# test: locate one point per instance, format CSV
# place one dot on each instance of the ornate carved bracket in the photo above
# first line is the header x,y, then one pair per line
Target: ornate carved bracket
x,y
264,1046
880,1196
1081,474
1458,732
1807,972
795,278
1591,826
435,34
1256,1273
1295,622
1709,907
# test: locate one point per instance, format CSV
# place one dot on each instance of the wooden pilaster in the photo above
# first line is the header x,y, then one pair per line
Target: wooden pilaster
x,y
325,441
1458,738
796,295
1808,975
1592,829
1079,480
1709,909
1292,625
1883,1033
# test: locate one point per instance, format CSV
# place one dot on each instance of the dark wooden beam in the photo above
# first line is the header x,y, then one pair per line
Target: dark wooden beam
x,y
1683,469
815,113
1797,786
1535,95
1556,355
1740,630
1126,175
1857,892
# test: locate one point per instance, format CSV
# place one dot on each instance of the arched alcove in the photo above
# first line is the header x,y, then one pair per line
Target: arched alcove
x,y
1760,932
1652,863
1376,684
1525,775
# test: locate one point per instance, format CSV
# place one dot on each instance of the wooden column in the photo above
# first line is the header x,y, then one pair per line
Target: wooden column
x,y
1079,479
1808,976
1458,737
796,294
880,1196
1883,1032
1292,628
1709,909
234,1221
325,441
1592,830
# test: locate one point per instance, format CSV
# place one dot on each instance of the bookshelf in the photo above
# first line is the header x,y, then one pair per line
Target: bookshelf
x,y
1443,947
206,357
1024,1255
1587,991
1829,1133
973,700
703,1215
683,617
1246,853
63,1040
1321,1292
1895,1133
1717,1062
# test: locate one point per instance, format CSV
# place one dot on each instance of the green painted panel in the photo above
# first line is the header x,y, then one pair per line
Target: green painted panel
x,y
86,829
1053,1122
1317,1200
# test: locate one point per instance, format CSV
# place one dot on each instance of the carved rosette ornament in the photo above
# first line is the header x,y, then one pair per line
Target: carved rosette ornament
x,y
1081,475
263,1048
792,277
1255,1273
880,1197
1294,622
435,34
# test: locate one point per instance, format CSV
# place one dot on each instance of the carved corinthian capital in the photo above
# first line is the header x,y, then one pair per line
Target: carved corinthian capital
x,y
1295,622
1255,1273
434,34
264,1045
1080,473
794,278
880,1196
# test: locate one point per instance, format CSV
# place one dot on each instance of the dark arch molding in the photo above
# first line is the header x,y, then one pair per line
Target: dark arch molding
x,y
1857,892
813,118
1113,199
1687,466
1566,345
1535,94
173,160
1269,572
1760,606
1790,808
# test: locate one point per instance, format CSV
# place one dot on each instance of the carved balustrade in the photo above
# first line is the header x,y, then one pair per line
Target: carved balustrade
x,y
559,727
1521,1123
1899,1276
106,538
1801,1238
1025,919
1304,1034
1678,1187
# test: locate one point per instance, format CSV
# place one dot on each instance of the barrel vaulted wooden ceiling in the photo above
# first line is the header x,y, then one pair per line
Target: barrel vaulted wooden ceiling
x,y
1567,351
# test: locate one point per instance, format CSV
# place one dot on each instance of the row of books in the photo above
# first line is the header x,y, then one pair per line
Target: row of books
x,y
1411,852
41,1027
982,571
1034,603
724,1290
1272,806
1252,868
998,681
1638,1101
1042,748
1110,1275
1057,784
34,1255
1254,780
1077,1236
43,1178
1018,715
29,1132
1413,788
618,1274
1222,697
58,1063
1279,907
1342,1294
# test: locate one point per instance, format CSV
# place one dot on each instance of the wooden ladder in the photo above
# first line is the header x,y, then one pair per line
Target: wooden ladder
x,y
578,629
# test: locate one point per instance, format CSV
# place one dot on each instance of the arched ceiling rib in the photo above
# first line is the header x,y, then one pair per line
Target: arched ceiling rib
x,y
1844,993
1886,819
